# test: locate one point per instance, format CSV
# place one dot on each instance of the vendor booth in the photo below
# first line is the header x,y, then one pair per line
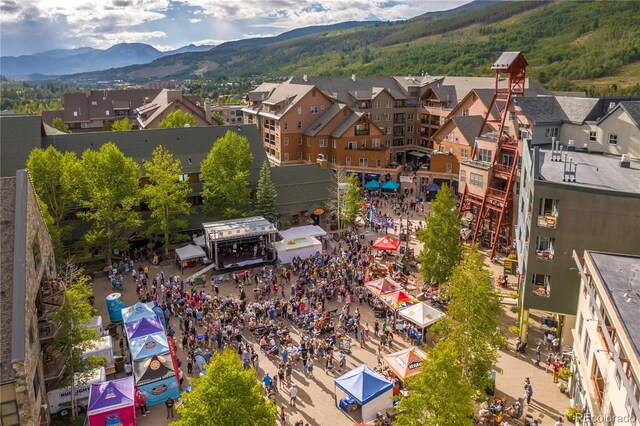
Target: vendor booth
x,y
156,377
365,389
421,314
398,298
137,312
189,255
240,242
96,324
112,403
148,346
143,327
302,247
405,363
303,231
386,243
390,186
383,286
372,184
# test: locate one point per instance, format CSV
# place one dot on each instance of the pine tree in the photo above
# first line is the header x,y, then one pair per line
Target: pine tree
x,y
442,248
266,195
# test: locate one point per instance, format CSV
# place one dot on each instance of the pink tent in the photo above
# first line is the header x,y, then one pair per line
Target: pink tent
x,y
386,243
112,403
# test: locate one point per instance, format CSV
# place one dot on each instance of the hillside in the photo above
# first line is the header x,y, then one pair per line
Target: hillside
x,y
563,42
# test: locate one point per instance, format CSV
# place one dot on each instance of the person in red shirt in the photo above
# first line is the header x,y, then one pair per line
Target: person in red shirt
x,y
142,402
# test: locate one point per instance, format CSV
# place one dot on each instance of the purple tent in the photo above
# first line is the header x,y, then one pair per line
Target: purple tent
x,y
143,327
113,398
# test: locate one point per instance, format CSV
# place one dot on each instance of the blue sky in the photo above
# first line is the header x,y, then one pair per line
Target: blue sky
x,y
31,26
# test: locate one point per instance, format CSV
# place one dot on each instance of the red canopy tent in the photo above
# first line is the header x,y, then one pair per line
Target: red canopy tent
x,y
386,243
383,286
398,298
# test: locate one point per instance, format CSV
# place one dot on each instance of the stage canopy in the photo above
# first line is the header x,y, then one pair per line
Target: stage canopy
x,y
137,312
391,185
238,228
143,327
405,363
158,367
433,188
398,298
303,231
421,314
363,384
148,346
109,396
386,243
383,286
190,252
297,247
372,184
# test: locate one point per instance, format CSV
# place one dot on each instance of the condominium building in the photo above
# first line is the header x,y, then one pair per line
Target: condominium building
x,y
605,379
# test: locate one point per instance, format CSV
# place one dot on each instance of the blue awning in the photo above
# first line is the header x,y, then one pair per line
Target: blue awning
x,y
390,185
372,184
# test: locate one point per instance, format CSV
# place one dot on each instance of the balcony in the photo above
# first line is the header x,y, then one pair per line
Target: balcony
x,y
52,370
544,254
47,331
548,221
356,148
362,132
496,194
502,170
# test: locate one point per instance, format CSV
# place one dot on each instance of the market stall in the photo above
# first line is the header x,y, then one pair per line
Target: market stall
x,y
143,327
421,314
405,363
383,286
137,312
390,186
387,242
303,231
148,346
366,390
372,184
302,247
398,298
112,403
189,254
157,378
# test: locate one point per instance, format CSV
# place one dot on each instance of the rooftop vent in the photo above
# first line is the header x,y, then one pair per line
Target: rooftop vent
x,y
624,162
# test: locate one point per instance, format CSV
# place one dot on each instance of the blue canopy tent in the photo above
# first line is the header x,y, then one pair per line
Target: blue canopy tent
x,y
148,346
372,184
372,391
433,188
137,312
391,185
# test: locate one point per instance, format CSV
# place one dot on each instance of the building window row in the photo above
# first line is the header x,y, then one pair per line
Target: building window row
x,y
476,179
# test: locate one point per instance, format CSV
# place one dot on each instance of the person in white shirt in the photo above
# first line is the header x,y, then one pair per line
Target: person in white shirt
x,y
559,422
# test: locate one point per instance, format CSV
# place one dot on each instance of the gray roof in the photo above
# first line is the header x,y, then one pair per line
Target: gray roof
x,y
620,274
447,93
469,126
463,85
19,134
505,60
631,107
322,121
301,186
105,100
185,143
542,109
577,110
486,96
344,126
597,171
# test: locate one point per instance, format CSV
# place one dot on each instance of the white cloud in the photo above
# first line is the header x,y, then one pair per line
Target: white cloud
x,y
195,20
210,41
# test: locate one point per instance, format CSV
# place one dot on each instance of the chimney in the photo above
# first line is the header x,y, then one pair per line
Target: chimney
x,y
87,92
353,77
322,161
624,162
207,109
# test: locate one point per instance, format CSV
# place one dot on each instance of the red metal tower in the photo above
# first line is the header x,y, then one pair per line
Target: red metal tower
x,y
493,212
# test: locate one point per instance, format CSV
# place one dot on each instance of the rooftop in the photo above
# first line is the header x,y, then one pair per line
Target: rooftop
x,y
620,276
597,171
238,228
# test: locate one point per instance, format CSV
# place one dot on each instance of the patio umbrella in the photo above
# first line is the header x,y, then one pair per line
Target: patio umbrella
x,y
398,298
372,184
386,243
383,286
393,186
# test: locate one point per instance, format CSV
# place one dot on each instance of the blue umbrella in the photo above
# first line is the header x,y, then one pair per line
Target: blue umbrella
x,y
372,184
390,185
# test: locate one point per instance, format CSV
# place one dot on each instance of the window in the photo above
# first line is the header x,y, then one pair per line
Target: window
x,y
376,117
75,113
541,285
580,325
334,143
441,148
465,112
106,112
299,110
286,156
464,153
351,145
308,141
449,167
476,179
299,140
388,130
463,175
613,139
36,383
324,143
347,161
333,159
299,126
484,155
363,143
299,155
551,132
410,116
544,248
409,129
375,143
378,163
286,125
183,177
309,157
286,141
593,137
9,413
313,109
364,162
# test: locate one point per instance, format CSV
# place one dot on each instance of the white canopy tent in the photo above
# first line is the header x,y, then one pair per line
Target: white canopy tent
x,y
303,231
303,247
190,252
421,314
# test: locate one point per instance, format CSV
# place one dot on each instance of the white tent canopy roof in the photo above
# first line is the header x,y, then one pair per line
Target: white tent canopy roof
x,y
421,314
190,252
303,231
238,228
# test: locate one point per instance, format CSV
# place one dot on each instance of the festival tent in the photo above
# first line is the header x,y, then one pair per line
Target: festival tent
x,y
303,231
112,403
156,377
386,243
433,188
302,247
391,185
190,252
369,389
405,363
148,346
398,298
372,184
383,286
137,312
143,327
421,314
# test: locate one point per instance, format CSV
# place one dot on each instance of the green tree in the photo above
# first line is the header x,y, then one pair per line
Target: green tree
x,y
177,119
165,194
225,175
59,124
74,338
442,248
266,195
122,125
352,200
107,190
439,394
217,118
472,327
226,395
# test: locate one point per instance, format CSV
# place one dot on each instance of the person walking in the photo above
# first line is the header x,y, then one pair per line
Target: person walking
x,y
293,394
283,415
537,363
142,402
169,404
529,392
559,422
